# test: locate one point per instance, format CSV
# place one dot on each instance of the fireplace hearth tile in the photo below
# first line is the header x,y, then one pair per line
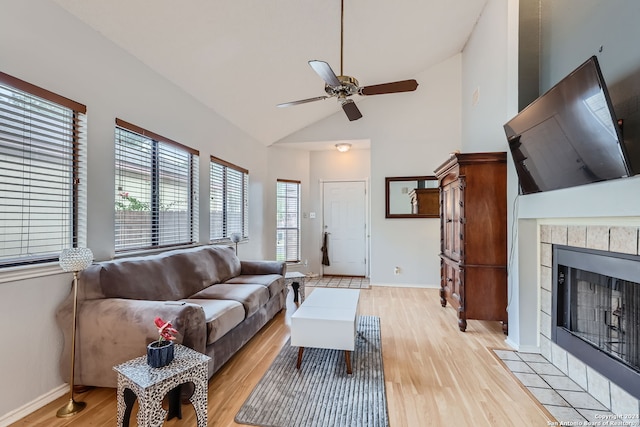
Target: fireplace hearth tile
x,y
561,383
533,357
563,398
545,233
545,368
531,380
507,355
595,416
548,396
581,400
566,414
517,366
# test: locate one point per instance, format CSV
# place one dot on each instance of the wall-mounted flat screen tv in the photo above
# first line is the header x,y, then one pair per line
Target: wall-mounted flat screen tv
x,y
569,136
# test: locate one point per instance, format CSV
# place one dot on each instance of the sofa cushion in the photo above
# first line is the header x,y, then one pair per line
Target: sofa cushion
x,y
252,297
274,282
221,316
171,275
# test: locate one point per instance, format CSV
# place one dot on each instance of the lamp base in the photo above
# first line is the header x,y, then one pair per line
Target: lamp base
x,y
71,408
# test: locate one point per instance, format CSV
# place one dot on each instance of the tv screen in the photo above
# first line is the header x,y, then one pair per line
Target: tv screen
x,y
569,136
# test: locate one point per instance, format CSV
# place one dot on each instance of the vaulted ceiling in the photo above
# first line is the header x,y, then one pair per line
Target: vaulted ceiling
x,y
243,57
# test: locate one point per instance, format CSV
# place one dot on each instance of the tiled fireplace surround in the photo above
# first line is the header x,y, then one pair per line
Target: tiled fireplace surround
x,y
607,238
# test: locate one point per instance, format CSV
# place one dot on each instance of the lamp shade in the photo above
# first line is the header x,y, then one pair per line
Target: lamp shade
x,y
235,237
75,259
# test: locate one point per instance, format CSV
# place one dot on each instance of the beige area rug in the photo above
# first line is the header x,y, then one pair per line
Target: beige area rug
x,y
347,282
321,393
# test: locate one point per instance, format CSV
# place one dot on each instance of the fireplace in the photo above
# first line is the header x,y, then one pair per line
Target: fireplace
x,y
595,311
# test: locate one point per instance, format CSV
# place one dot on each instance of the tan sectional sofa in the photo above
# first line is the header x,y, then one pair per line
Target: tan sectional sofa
x,y
215,301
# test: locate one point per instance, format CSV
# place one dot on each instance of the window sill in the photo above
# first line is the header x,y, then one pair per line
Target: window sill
x,y
13,274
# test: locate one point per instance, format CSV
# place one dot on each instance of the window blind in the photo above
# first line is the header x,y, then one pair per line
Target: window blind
x,y
288,220
229,211
156,190
42,173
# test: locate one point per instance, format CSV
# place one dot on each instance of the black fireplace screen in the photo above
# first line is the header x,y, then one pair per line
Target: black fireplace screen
x,y
600,311
596,311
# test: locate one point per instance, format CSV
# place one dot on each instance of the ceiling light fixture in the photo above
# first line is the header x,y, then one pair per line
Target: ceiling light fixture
x,y
343,147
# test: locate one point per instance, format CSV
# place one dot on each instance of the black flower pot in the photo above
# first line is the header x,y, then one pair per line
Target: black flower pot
x,y
159,353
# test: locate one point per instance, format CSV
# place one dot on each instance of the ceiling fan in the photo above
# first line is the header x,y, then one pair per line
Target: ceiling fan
x,y
342,87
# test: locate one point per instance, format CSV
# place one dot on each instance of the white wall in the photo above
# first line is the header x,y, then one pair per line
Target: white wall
x,y
290,164
484,71
489,66
354,165
411,134
44,45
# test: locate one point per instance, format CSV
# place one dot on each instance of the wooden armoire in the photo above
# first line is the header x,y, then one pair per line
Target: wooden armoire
x,y
473,236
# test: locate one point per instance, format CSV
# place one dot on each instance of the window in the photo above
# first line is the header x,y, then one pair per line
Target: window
x,y
288,221
42,173
228,206
156,190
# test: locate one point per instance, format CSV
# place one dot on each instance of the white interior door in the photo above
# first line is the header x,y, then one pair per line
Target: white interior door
x,y
344,216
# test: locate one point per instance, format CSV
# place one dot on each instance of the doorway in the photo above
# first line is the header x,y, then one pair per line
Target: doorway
x,y
345,222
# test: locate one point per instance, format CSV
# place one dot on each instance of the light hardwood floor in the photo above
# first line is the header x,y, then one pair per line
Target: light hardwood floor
x,y
435,375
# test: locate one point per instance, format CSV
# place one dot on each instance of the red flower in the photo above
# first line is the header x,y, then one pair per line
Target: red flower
x,y
165,329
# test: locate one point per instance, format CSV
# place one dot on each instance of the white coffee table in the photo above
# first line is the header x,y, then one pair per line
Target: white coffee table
x,y
326,319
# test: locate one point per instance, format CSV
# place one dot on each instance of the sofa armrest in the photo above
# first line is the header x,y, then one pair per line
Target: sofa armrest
x,y
263,267
111,331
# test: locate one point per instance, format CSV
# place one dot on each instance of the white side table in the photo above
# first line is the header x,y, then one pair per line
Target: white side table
x,y
150,385
293,277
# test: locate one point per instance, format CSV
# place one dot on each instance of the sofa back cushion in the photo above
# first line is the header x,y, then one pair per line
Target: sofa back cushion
x,y
170,275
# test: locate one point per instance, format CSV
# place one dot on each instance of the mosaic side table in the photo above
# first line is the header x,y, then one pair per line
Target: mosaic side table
x,y
151,385
297,282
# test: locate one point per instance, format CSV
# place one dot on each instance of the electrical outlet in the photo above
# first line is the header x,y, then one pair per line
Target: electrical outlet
x,y
396,271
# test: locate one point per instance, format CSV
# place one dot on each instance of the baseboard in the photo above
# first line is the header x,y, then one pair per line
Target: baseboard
x,y
522,348
407,285
34,405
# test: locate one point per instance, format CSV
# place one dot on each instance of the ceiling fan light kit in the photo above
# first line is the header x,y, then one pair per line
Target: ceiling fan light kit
x,y
343,147
343,86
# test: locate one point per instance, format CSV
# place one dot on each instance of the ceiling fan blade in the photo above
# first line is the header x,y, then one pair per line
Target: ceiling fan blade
x,y
302,101
325,72
351,110
394,87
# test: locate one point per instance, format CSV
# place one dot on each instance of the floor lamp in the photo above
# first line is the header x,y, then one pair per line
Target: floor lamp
x,y
74,259
235,238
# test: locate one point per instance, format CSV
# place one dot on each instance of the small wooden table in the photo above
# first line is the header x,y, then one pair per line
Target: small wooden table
x,y
327,319
297,282
150,385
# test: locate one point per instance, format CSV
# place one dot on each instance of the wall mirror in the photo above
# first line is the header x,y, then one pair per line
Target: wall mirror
x,y
412,197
